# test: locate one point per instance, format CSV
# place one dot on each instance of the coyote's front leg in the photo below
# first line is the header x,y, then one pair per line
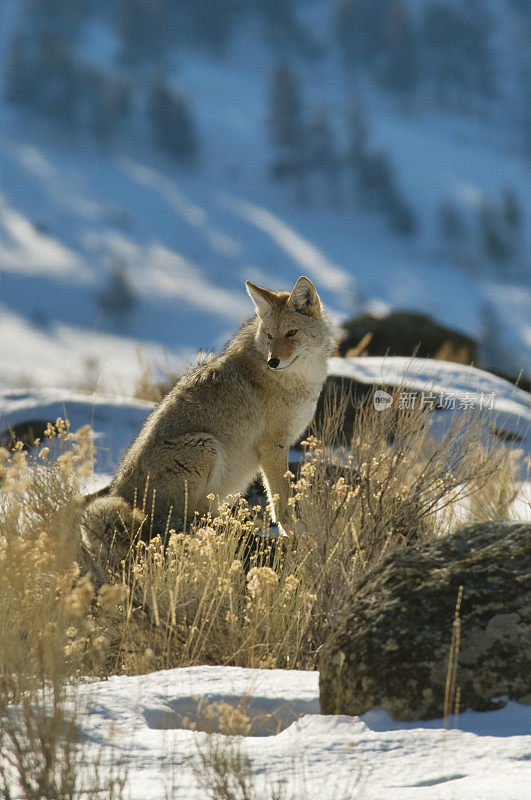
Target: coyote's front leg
x,y
274,466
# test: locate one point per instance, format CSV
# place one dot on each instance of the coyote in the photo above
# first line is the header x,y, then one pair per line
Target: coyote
x,y
227,419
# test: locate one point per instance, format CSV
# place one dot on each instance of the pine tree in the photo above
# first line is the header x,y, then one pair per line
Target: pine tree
x,y
109,101
58,93
358,138
171,121
118,298
20,81
512,210
441,33
213,22
322,154
496,242
458,55
524,75
279,17
513,221
477,27
452,228
401,71
146,30
286,123
360,30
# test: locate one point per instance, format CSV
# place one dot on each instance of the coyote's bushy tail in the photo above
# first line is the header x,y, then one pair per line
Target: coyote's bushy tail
x,y
110,517
109,528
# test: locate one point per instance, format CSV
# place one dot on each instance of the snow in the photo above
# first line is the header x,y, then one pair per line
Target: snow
x,y
117,419
139,721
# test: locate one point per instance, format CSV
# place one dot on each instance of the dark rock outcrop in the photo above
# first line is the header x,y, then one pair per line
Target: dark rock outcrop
x,y
391,647
407,333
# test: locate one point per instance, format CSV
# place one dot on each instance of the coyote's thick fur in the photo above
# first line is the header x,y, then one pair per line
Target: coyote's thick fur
x,y
228,418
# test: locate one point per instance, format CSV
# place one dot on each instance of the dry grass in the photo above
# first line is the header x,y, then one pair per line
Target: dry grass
x,y
48,633
210,595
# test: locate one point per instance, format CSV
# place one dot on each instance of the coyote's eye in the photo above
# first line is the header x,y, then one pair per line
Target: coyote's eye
x,y
269,336
291,333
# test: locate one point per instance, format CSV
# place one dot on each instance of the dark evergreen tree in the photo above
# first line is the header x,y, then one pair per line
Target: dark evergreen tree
x,y
146,29
357,145
212,22
64,17
524,75
400,214
476,34
323,157
458,50
279,16
109,101
495,238
171,122
513,221
287,126
512,210
400,69
376,180
452,228
361,30
58,79
21,85
118,298
441,34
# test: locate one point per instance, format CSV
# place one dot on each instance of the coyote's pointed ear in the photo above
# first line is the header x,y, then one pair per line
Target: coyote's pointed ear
x,y
304,298
263,299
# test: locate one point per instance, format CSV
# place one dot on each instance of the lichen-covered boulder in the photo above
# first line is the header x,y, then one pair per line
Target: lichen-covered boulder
x,y
391,646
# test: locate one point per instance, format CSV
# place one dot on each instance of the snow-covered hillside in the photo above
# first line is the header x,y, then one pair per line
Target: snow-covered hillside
x,y
190,237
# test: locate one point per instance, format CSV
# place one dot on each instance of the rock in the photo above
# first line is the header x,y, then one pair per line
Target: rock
x,y
391,647
407,333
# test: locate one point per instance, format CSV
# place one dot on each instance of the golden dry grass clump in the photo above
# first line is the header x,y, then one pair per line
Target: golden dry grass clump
x,y
210,594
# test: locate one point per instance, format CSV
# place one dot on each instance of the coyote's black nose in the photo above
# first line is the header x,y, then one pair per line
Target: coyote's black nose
x,y
274,362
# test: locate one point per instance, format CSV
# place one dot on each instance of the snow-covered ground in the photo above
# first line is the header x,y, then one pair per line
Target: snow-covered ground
x,y
117,419
140,721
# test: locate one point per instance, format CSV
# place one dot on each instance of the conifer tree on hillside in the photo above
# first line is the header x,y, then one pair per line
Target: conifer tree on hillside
x,y
287,127
361,30
118,298
495,235
171,122
458,57
401,69
323,157
513,220
20,79
358,139
146,29
452,228
63,17
524,81
109,102
279,16
213,21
